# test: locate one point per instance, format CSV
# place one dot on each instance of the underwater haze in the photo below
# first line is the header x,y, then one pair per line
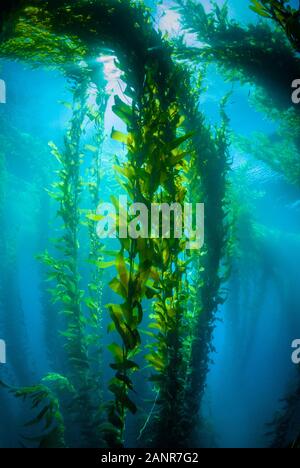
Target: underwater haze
x,y
140,341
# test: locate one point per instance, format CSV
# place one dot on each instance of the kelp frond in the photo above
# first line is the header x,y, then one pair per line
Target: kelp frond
x,y
258,53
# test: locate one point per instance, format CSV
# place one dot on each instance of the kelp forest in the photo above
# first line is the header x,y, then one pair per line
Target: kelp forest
x,y
110,108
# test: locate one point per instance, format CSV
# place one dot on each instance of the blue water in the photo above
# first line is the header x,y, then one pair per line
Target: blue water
x,y
251,367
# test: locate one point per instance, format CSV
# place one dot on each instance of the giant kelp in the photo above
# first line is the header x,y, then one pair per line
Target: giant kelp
x,y
263,55
146,268
64,271
284,14
256,53
259,54
172,155
283,430
280,154
208,179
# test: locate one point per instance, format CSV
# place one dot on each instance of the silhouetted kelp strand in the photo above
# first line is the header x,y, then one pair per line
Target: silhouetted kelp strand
x,y
164,352
49,419
284,14
208,179
95,286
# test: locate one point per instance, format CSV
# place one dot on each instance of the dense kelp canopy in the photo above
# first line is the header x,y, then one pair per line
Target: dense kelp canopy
x,y
147,305
241,51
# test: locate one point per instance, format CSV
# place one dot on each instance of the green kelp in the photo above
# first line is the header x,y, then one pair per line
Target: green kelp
x,y
65,270
44,402
283,431
148,305
154,112
258,53
284,14
208,180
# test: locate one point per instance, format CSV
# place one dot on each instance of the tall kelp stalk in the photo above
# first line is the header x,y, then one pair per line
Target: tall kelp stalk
x,y
260,55
49,413
176,408
155,114
163,181
41,165
32,46
208,182
149,74
50,311
283,431
255,267
245,254
77,335
95,287
150,267
288,18
102,13
65,269
48,49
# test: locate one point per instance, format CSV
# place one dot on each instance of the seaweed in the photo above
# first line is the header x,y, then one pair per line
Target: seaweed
x,y
285,15
172,155
154,113
45,404
94,300
283,431
257,53
150,268
208,175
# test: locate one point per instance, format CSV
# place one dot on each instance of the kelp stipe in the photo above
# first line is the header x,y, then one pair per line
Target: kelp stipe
x,y
65,271
283,431
94,299
208,175
180,365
